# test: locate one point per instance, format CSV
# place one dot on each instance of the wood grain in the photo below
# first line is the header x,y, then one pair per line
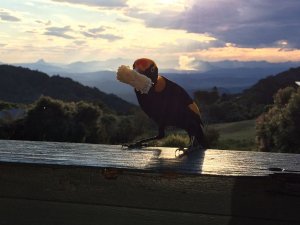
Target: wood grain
x,y
67,183
212,162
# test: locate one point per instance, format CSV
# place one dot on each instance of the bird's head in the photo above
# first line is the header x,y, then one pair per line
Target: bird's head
x,y
146,67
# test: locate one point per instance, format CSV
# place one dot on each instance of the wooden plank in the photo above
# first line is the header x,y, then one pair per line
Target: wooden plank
x,y
212,162
48,213
254,197
231,186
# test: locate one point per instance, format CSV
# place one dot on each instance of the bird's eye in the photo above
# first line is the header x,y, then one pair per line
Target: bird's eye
x,y
152,69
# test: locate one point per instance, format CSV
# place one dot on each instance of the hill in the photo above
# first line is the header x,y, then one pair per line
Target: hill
x,y
250,103
21,85
263,91
228,80
228,76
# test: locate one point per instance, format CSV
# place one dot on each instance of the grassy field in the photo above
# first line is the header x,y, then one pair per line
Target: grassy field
x,y
233,136
236,135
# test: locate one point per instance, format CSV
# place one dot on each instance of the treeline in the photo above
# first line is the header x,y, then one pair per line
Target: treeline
x,y
54,120
278,129
21,85
251,103
220,108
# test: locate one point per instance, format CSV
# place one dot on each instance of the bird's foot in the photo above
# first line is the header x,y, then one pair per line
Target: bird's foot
x,y
184,151
134,145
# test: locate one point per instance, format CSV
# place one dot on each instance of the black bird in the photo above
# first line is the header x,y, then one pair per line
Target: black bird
x,y
168,104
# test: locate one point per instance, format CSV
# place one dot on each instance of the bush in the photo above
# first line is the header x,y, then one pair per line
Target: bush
x,y
174,140
278,129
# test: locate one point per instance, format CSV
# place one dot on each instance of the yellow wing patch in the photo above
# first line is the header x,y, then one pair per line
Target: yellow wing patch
x,y
194,108
160,84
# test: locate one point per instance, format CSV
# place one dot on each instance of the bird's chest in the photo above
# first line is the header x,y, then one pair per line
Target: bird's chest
x,y
158,106
154,104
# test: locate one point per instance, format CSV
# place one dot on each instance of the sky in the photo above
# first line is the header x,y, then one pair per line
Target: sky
x,y
174,33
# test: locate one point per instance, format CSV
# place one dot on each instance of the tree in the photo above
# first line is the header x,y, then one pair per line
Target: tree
x,y
47,120
278,129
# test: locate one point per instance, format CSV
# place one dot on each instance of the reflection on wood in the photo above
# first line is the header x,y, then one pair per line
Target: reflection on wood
x,y
63,183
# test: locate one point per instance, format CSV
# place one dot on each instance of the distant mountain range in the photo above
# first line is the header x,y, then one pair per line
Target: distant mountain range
x,y
227,80
112,65
228,76
22,85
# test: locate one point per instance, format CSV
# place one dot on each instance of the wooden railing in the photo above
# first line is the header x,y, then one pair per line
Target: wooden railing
x,y
64,183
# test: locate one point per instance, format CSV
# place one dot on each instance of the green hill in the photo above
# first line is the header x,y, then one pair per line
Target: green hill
x,y
263,91
21,85
236,135
247,105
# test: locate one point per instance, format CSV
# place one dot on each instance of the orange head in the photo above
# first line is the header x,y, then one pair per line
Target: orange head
x,y
146,67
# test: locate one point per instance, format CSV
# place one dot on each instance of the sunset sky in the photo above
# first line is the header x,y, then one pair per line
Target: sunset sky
x,y
175,33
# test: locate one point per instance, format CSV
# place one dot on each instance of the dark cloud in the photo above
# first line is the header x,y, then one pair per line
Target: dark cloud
x,y
59,32
97,3
187,45
8,17
252,23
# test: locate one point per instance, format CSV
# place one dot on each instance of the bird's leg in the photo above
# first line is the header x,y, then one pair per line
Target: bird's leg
x,y
141,143
193,145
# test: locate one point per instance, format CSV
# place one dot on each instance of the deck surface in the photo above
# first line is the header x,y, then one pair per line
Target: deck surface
x,y
211,162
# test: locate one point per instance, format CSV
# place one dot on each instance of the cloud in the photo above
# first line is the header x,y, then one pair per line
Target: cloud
x,y
245,23
109,37
6,16
59,32
97,30
47,23
98,33
187,63
189,45
97,3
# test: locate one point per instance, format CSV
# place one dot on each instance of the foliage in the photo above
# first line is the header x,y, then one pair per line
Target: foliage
x,y
22,85
54,120
212,136
7,105
174,140
247,105
278,129
182,140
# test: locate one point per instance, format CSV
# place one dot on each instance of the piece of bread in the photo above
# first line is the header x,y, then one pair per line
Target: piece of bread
x,y
139,81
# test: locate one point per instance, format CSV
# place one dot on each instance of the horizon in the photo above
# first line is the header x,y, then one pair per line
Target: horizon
x,y
177,34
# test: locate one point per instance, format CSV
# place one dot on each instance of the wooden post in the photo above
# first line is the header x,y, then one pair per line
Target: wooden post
x,y
64,183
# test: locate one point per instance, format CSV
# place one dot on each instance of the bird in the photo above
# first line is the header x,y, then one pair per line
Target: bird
x,y
168,104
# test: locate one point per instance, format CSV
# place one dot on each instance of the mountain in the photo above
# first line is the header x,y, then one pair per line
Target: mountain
x,y
23,85
75,67
112,65
230,76
105,81
251,102
43,66
263,91
227,80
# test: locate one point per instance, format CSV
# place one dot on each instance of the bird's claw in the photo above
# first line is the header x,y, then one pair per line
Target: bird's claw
x,y
183,151
179,151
